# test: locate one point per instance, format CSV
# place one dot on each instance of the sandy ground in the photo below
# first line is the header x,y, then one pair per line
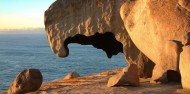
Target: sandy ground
x,y
96,84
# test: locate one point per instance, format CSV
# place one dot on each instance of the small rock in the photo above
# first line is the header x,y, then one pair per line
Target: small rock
x,y
184,67
129,76
27,81
71,75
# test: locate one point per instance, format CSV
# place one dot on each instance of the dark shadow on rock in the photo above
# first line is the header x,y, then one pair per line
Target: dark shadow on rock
x,y
170,76
173,76
106,42
145,66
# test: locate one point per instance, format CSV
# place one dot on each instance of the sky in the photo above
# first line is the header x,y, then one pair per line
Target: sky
x,y
23,14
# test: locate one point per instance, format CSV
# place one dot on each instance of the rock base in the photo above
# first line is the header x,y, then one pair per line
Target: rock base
x,y
96,84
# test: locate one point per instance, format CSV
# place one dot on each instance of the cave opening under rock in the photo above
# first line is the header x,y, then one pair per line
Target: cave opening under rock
x,y
107,42
173,76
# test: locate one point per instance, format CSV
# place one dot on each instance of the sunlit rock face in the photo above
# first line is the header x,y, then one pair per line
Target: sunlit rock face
x,y
185,67
95,22
159,28
70,19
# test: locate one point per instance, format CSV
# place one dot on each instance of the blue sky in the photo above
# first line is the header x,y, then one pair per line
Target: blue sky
x,y
23,14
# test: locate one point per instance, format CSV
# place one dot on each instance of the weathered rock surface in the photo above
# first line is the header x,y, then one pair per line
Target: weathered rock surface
x,y
159,29
96,84
27,81
185,67
66,20
128,76
95,22
71,75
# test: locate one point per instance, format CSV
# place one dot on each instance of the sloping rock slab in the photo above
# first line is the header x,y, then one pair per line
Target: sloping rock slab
x,y
96,84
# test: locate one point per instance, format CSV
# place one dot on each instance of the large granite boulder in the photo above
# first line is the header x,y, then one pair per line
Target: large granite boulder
x,y
95,22
159,28
26,81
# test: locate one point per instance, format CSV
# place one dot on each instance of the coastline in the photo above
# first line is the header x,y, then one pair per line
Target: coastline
x,y
96,84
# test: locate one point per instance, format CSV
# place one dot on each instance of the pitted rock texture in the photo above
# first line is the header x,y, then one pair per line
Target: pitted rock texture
x,y
68,18
95,22
159,28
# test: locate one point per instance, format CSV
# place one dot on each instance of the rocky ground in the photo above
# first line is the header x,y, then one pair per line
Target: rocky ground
x,y
96,84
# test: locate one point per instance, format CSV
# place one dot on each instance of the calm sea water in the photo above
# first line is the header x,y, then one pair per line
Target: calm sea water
x,y
19,51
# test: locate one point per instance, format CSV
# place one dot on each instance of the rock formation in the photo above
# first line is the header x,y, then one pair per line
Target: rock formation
x,y
27,81
128,76
71,75
159,29
95,22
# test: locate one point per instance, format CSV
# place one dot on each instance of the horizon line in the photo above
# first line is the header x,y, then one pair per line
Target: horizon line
x,y
23,29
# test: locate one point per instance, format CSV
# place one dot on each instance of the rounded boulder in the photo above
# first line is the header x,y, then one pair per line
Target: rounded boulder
x,y
26,81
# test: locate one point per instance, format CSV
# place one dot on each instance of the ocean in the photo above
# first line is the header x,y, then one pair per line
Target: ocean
x,y
23,50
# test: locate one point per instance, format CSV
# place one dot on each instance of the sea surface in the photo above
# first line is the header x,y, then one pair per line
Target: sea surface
x,y
23,50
